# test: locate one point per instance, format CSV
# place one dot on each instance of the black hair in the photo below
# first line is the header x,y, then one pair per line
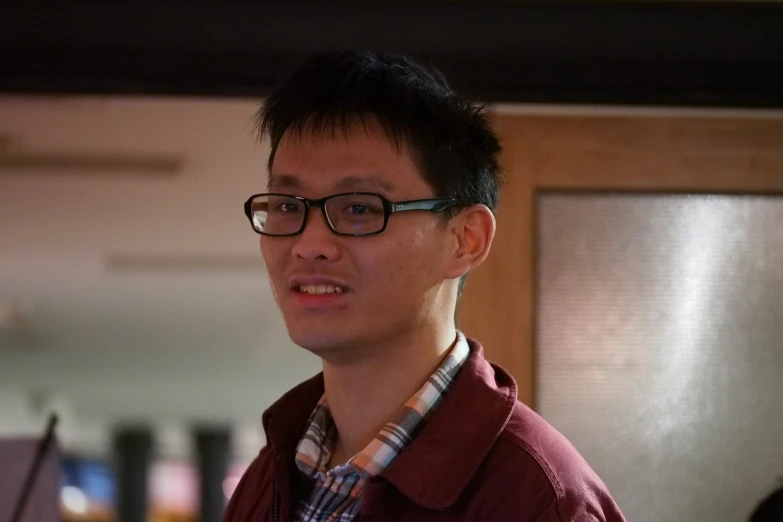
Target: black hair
x,y
449,135
770,509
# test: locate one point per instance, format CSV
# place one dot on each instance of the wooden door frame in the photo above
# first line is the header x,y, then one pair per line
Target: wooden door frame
x,y
636,151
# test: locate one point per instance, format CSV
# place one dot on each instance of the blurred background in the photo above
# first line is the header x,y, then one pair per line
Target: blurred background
x,y
134,297
635,288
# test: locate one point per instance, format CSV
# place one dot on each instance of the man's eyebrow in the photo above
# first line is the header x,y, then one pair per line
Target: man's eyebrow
x,y
366,183
283,181
348,183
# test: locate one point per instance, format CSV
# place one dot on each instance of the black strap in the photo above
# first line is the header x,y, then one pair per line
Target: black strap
x,y
32,474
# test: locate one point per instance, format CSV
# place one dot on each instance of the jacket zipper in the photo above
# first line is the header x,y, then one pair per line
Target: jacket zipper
x,y
275,502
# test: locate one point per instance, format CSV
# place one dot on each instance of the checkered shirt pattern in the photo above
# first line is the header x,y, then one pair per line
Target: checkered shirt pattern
x,y
337,494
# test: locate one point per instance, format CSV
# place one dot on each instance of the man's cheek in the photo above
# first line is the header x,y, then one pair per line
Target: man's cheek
x,y
274,293
379,274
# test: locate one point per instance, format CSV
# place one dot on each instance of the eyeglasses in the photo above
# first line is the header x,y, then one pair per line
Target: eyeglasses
x,y
349,214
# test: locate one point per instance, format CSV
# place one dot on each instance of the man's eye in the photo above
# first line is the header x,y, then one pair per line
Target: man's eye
x,y
287,207
362,207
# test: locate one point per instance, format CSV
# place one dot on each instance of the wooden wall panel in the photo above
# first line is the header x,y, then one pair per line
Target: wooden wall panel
x,y
592,153
497,308
657,154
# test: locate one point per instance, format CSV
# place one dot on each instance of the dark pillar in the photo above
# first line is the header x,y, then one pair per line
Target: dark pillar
x,y
213,450
132,452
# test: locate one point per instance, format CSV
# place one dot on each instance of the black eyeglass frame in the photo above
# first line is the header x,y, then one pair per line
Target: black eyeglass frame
x,y
389,208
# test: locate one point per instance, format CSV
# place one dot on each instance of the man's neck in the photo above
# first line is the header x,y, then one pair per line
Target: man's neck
x,y
365,393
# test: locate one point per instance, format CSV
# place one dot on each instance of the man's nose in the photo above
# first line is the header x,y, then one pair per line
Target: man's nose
x,y
316,240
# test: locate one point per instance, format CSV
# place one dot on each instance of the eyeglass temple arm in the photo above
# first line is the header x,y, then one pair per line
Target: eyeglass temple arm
x,y
436,205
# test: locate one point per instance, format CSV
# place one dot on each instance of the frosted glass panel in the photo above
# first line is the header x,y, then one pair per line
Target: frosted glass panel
x,y
660,346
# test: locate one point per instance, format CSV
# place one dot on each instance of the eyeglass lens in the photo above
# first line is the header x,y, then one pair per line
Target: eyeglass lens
x,y
347,214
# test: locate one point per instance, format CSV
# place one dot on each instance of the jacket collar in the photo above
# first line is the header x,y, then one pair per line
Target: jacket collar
x,y
286,420
437,466
440,461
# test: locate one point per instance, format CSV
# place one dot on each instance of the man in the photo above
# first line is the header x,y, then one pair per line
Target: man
x,y
379,202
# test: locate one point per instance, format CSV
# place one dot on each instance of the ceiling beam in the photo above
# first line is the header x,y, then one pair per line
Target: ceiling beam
x,y
663,53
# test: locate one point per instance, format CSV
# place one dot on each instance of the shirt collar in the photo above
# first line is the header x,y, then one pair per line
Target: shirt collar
x,y
467,423
438,465
316,445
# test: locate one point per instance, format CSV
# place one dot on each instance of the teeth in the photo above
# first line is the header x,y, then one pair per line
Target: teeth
x,y
320,289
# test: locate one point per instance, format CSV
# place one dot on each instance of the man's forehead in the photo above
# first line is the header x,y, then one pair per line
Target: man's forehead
x,y
362,161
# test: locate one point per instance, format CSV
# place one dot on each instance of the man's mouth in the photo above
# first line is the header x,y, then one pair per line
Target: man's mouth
x,y
320,289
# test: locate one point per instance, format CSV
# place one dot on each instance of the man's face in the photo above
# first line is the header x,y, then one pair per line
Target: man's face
x,y
389,283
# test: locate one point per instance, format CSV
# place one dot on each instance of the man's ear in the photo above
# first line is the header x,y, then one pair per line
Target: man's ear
x,y
473,230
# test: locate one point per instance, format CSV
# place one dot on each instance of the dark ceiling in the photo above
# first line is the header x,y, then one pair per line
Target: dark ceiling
x,y
662,53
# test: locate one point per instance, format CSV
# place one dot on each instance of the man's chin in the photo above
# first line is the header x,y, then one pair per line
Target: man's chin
x,y
319,341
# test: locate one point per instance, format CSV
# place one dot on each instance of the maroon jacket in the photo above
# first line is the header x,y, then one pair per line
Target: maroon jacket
x,y
482,456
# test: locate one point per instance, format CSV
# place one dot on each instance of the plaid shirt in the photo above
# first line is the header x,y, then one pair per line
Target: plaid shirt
x,y
337,494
